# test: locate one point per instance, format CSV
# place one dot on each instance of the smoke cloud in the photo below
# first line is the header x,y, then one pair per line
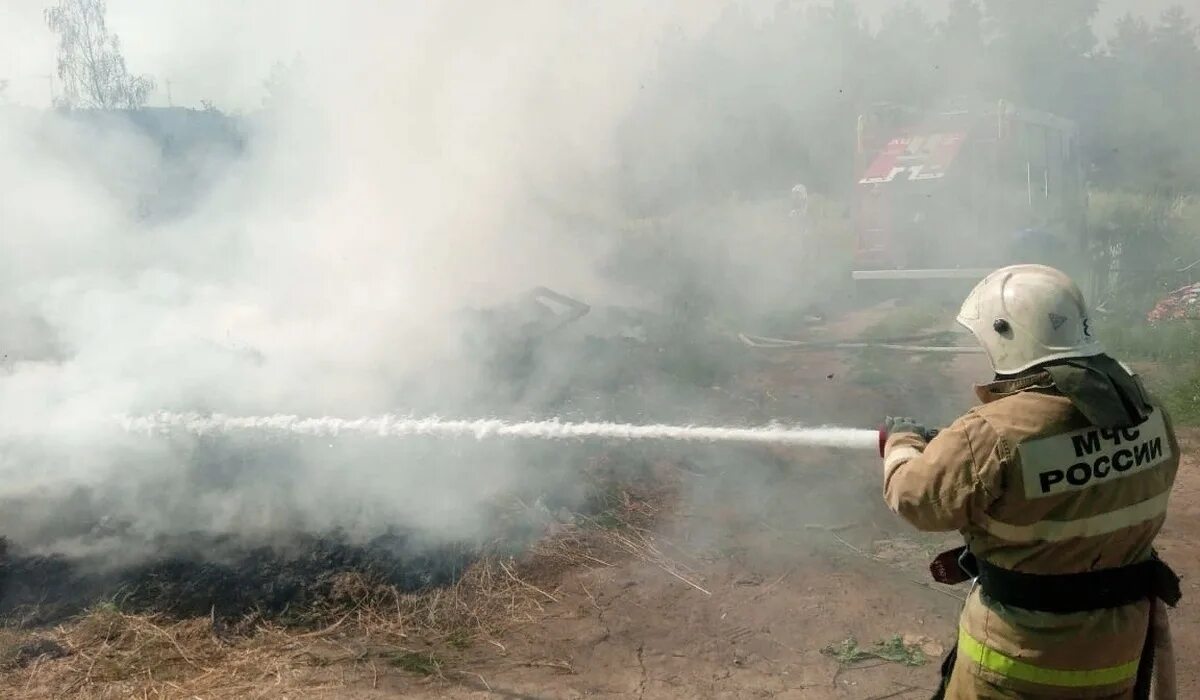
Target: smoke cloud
x,y
408,162
334,237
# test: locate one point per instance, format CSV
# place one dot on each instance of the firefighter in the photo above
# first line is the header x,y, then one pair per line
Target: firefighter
x,y
1058,483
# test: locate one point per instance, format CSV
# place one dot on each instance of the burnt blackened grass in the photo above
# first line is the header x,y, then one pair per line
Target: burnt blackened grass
x,y
213,576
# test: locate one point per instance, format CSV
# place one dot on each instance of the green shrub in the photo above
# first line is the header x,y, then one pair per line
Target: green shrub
x,y
1167,356
1141,246
1136,340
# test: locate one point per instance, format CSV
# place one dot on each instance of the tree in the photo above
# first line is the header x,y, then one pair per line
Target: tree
x,y
964,23
905,44
1041,51
1174,51
1131,40
1142,131
90,63
961,53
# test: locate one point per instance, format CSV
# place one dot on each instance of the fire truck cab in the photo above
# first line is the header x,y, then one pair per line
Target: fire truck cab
x,y
956,194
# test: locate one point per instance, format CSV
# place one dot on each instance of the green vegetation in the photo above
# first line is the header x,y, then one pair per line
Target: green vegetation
x,y
909,321
906,321
878,367
1166,355
868,367
606,504
420,663
1143,246
459,639
693,362
1181,396
893,649
1133,339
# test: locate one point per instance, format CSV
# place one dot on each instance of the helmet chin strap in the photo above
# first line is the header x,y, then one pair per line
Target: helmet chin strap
x,y
1027,372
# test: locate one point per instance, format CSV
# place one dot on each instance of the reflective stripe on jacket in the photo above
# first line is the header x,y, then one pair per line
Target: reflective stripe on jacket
x,y
1033,487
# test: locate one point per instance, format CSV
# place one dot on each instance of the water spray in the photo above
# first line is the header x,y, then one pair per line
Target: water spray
x,y
401,426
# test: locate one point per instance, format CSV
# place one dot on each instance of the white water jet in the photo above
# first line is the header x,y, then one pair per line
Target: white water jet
x,y
399,426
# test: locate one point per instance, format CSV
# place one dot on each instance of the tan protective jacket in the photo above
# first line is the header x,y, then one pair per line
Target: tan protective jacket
x,y
1033,487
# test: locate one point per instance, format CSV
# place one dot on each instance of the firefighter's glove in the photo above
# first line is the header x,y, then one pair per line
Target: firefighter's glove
x,y
899,424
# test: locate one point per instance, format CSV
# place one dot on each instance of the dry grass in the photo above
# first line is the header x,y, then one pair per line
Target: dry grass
x,y
361,630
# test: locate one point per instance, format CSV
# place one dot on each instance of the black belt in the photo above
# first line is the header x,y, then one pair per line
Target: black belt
x,y
1063,593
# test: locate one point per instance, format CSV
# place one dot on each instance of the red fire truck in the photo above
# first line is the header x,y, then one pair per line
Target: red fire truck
x,y
955,194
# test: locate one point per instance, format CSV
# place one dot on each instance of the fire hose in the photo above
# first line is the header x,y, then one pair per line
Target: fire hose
x,y
759,341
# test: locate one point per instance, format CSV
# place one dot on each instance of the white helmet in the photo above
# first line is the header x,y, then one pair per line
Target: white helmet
x,y
1024,315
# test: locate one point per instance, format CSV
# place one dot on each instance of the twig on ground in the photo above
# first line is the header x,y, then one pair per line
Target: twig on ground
x,y
646,551
681,578
938,589
851,547
528,585
327,630
767,589
168,636
560,665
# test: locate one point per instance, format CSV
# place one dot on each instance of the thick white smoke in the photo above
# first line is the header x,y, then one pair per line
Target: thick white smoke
x,y
408,163
409,159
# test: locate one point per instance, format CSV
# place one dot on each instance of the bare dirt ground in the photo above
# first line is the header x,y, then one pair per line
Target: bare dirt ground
x,y
632,631
732,589
781,587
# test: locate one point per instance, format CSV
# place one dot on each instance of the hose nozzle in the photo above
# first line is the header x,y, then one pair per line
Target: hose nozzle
x,y
926,434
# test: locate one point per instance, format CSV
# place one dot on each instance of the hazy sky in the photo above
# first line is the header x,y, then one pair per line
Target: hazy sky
x,y
222,50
